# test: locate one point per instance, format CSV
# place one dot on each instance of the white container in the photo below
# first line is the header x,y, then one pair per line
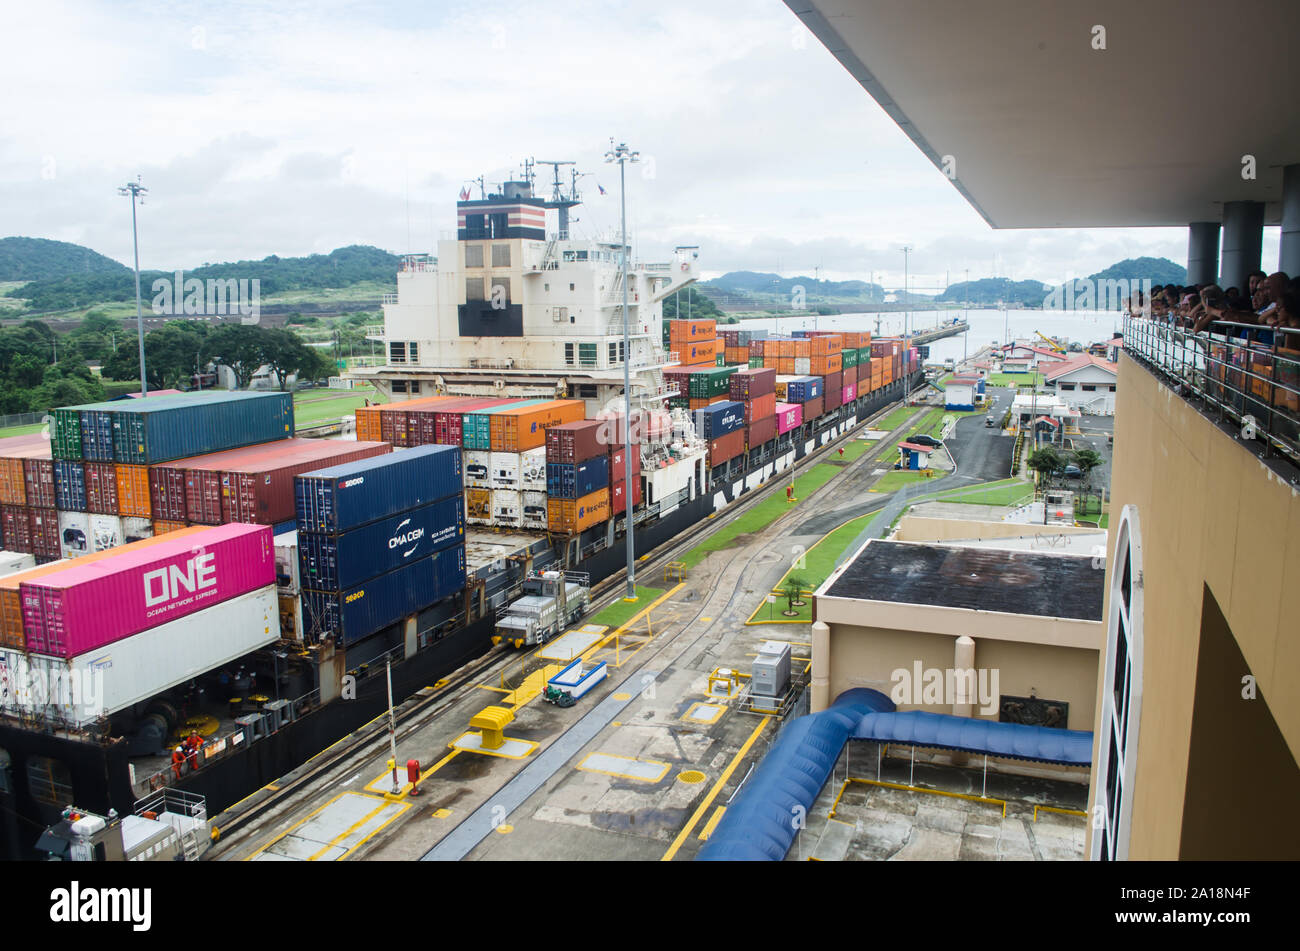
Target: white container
x,y
532,474
136,529
505,471
478,468
534,513
802,366
106,532
11,561
74,534
126,672
286,562
507,508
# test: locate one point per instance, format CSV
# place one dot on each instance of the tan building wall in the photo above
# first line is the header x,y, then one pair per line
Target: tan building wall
x,y
1214,521
919,528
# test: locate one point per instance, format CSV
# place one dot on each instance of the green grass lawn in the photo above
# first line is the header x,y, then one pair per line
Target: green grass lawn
x,y
853,451
21,430
1014,379
762,514
1004,492
618,613
897,478
317,407
894,419
819,562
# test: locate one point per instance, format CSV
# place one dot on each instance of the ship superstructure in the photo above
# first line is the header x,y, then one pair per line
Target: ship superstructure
x,y
514,307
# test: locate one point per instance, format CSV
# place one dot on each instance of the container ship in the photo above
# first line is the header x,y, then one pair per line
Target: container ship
x,y
213,596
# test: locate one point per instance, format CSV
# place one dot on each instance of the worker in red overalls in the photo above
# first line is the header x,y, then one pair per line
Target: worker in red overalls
x,y
193,743
178,760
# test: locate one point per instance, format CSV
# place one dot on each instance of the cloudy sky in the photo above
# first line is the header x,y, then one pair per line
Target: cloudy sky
x,y
293,127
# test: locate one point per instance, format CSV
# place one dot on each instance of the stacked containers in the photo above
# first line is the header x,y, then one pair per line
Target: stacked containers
x,y
722,426
756,389
687,338
789,416
28,518
398,505
518,429
577,476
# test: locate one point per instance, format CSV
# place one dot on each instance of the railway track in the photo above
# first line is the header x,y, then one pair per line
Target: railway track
x,y
418,712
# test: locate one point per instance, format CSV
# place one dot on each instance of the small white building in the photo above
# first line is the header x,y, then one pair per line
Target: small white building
x,y
1086,383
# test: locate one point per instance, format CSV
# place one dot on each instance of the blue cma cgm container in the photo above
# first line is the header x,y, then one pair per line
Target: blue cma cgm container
x,y
803,389
355,613
162,428
338,498
69,486
719,419
568,481
334,562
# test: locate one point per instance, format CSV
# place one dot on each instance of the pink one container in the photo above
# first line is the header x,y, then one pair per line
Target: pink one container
x,y
84,607
788,416
850,393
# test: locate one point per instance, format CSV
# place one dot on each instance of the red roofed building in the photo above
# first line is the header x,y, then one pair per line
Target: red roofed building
x,y
1085,382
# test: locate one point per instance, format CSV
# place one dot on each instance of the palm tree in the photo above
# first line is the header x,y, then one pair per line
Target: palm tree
x,y
1046,461
794,587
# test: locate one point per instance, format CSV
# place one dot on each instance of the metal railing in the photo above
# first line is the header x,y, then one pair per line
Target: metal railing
x,y
1241,372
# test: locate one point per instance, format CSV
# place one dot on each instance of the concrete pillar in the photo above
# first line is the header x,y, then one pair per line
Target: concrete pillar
x,y
410,639
1243,239
963,663
1203,252
1288,258
821,667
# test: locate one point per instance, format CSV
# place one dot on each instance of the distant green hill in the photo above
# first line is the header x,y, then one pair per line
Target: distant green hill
x,y
37,259
991,291
762,283
1156,270
339,268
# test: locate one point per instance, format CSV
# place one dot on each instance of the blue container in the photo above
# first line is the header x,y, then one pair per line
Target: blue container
x,y
334,562
69,486
357,612
97,435
568,481
719,419
162,428
804,388
343,497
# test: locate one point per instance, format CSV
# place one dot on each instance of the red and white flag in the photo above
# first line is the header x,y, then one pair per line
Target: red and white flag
x,y
464,194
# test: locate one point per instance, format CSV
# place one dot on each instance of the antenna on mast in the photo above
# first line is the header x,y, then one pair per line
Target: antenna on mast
x,y
559,199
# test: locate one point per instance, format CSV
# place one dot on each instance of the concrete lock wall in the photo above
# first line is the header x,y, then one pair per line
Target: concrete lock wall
x,y
918,528
1216,520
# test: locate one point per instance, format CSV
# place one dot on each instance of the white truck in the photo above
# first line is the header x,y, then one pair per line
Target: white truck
x,y
552,600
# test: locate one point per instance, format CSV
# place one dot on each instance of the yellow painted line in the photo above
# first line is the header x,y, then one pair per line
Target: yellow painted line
x,y
712,823
383,804
490,687
442,813
378,829
713,793
311,815
1063,812
921,789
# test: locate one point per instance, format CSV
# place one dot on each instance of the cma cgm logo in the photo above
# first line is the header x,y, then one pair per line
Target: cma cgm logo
x,y
401,538
167,584
351,482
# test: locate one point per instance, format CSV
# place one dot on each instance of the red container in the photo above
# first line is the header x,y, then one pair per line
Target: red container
x,y
422,421
760,407
45,534
16,528
84,607
788,416
814,408
831,398
572,443
167,493
38,479
101,488
726,447
849,375
750,384
759,432
849,393
616,467
618,492
832,381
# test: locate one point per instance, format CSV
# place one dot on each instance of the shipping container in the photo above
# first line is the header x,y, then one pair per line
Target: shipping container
x,y
564,481
831,398
722,448
814,409
617,456
133,491
720,419
253,484
788,416
69,486
576,442
848,357
348,496
476,427
518,470
101,488
760,407
569,516
355,613
369,428
849,393
15,453
45,533
449,421
696,354
38,481
335,562
692,330
395,418
826,365
618,496
74,534
750,384
706,384
478,468
12,562
422,421
534,510
88,605
522,428
478,506
507,508
167,526
759,432
802,366
116,677
97,435
16,528
803,389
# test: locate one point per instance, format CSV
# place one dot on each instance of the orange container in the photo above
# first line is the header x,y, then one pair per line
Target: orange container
x,y
133,492
826,344
802,348
785,348
785,366
827,364
524,427
368,427
13,451
568,517
11,605
702,353
163,526
478,504
691,331
735,355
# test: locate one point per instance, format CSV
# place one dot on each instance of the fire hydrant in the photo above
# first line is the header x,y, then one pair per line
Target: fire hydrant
x,y
413,775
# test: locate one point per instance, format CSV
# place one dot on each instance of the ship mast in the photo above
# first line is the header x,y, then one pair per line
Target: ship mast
x,y
560,199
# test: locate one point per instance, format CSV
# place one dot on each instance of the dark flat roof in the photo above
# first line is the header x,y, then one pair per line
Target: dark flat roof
x,y
985,579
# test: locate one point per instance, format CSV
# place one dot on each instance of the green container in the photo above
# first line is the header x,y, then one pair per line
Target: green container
x,y
66,440
850,357
756,363
706,384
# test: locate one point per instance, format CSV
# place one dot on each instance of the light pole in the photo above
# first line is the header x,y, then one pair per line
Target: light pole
x,y
622,155
965,317
136,190
907,300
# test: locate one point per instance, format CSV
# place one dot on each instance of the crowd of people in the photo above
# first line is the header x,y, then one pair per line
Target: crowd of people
x,y
1271,303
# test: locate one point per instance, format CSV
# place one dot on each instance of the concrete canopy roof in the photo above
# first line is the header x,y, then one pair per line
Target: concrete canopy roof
x,y
1045,131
